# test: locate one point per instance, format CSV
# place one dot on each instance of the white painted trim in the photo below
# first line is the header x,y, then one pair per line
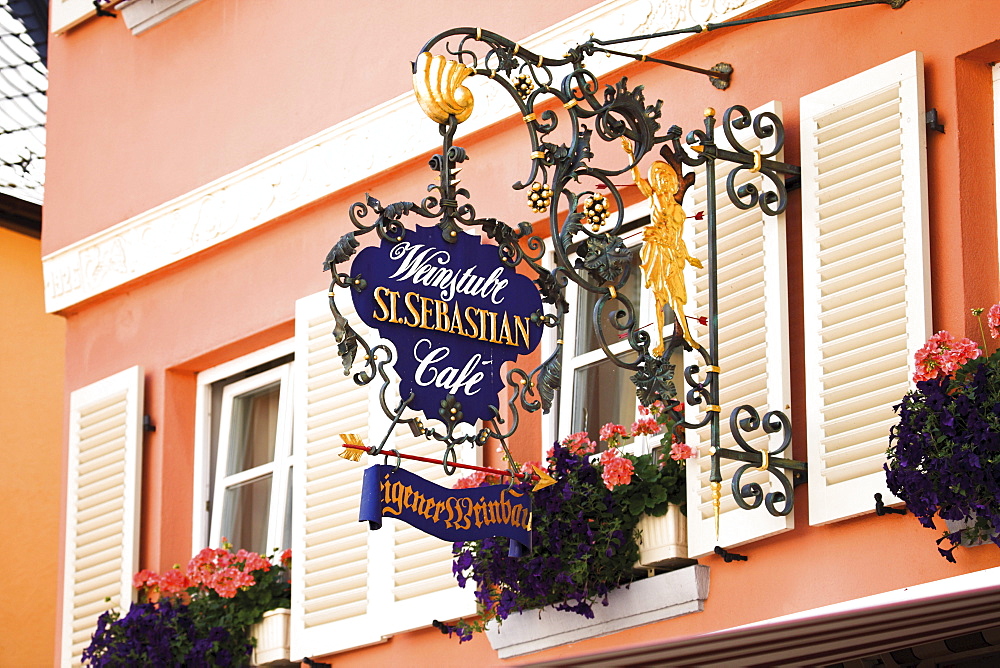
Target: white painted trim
x,y
376,140
64,14
646,601
550,420
996,140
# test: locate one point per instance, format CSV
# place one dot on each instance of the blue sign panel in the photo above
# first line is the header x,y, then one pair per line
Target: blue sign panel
x,y
449,514
454,312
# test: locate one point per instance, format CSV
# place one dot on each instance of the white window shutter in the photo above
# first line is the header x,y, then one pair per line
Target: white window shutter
x,y
102,505
865,275
351,586
64,14
423,587
330,569
753,345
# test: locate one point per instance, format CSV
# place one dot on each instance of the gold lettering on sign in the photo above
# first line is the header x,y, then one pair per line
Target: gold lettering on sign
x,y
454,512
442,316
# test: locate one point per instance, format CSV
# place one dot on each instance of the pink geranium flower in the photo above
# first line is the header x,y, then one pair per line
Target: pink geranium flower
x,y
470,481
144,578
528,468
613,434
647,426
653,409
942,355
680,451
578,444
617,469
993,319
174,581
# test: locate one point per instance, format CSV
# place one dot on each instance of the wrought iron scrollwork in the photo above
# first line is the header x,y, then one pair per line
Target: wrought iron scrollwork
x,y
773,422
705,391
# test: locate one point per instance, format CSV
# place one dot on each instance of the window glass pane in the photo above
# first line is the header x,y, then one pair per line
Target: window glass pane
x,y
245,515
286,538
255,424
586,339
602,393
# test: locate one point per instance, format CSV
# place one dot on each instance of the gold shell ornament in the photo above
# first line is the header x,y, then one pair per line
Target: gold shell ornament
x,y
437,83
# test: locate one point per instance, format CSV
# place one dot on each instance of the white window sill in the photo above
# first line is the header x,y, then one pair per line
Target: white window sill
x,y
654,599
141,15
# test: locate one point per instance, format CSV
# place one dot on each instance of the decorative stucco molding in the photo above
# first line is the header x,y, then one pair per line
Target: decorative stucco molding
x,y
376,140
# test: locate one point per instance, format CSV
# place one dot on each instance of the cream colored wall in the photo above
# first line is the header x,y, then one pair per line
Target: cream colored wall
x,y
32,358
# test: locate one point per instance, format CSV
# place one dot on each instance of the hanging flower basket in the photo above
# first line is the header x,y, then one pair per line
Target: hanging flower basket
x,y
944,454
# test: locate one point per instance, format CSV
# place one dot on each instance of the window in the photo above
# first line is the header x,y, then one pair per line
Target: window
x,y
245,446
252,495
598,390
594,389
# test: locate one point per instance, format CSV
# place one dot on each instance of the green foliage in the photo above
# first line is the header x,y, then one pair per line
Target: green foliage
x,y
654,486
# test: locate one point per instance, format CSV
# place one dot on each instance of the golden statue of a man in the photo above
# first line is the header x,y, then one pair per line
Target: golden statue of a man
x,y
664,253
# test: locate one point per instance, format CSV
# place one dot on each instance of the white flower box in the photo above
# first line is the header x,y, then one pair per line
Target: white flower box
x,y
654,599
663,540
272,634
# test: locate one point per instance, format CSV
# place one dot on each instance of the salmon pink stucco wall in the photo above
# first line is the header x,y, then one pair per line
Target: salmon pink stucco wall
x,y
135,121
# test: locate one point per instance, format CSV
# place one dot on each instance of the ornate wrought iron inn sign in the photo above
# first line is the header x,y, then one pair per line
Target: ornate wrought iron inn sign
x,y
450,306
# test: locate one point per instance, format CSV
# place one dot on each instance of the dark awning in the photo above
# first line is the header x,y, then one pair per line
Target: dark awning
x,y
934,619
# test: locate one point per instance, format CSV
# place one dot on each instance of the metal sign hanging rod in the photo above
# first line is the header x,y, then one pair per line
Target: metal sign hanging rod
x,y
708,27
720,74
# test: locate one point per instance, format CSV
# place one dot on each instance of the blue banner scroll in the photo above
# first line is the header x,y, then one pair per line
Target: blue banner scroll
x,y
449,514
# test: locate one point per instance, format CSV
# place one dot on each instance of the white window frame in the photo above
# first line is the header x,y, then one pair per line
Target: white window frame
x,y
204,485
277,468
550,420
